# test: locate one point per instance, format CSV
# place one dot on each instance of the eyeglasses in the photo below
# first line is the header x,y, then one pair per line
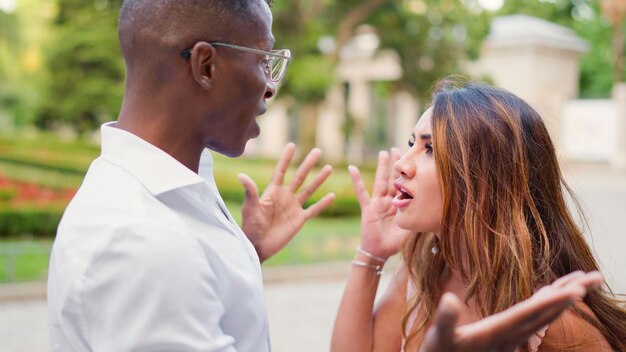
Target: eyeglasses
x,y
276,60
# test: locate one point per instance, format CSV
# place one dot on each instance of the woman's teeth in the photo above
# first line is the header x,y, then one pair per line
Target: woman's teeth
x,y
405,195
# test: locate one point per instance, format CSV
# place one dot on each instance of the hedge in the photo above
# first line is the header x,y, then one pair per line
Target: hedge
x,y
43,223
20,223
7,193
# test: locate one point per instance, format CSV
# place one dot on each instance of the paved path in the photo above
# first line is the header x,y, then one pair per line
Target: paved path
x,y
302,312
301,317
602,195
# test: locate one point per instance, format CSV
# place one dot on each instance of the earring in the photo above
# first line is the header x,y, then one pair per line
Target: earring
x,y
435,248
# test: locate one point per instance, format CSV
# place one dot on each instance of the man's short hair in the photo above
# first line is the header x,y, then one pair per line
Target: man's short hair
x,y
149,25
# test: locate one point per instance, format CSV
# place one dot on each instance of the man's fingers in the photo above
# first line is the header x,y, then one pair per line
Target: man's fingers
x,y
304,169
440,336
359,187
320,205
252,191
382,175
319,179
283,163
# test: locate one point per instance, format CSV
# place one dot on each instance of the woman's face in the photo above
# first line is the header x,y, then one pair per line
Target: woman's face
x,y
420,204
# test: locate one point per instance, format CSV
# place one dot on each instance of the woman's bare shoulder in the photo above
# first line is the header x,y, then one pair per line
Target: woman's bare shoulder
x,y
571,332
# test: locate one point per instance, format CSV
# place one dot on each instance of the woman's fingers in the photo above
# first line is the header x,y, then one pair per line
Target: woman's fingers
x,y
382,175
564,280
359,187
514,325
440,336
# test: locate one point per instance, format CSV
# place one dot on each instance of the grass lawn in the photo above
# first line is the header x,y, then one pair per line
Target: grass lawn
x,y
320,240
28,262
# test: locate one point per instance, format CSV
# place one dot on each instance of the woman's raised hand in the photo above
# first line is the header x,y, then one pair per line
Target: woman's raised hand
x,y
380,235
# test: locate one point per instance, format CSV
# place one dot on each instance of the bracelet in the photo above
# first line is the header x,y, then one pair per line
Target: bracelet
x,y
378,268
370,255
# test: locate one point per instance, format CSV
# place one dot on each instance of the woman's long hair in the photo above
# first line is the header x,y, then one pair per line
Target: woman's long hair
x,y
506,226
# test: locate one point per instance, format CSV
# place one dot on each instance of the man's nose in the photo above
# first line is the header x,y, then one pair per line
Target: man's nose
x,y
270,89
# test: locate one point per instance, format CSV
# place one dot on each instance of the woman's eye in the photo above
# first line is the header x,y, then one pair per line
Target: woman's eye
x,y
429,148
411,143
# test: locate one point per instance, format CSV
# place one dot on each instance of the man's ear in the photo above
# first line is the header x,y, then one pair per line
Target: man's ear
x,y
202,56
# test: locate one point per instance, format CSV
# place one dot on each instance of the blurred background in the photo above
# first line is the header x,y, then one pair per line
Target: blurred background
x,y
361,76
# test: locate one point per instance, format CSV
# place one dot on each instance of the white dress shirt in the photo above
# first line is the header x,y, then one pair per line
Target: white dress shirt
x,y
147,258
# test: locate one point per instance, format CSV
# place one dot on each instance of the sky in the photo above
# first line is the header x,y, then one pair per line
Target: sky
x,y
7,5
490,5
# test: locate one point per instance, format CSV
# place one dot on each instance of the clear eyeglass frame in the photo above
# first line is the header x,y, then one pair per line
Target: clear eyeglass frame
x,y
277,60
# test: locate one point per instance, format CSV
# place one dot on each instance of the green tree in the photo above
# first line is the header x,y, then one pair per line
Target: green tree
x,y
300,25
432,38
430,44
614,11
85,69
9,72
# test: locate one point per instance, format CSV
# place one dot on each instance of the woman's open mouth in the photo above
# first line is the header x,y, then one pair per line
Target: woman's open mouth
x,y
403,198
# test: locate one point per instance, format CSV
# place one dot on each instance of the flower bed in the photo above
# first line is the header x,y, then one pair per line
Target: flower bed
x,y
30,210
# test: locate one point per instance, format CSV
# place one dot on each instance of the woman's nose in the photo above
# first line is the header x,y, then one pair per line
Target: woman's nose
x,y
405,166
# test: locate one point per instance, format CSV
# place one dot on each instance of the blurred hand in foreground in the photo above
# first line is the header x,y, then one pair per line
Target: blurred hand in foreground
x,y
505,331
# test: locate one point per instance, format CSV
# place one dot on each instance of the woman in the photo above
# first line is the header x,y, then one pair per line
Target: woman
x,y
481,187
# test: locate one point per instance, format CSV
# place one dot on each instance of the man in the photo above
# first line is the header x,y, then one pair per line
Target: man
x,y
147,257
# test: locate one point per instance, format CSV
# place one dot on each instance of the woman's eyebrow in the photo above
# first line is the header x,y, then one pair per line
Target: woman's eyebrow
x,y
425,136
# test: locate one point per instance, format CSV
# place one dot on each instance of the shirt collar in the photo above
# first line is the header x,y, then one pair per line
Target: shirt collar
x,y
158,171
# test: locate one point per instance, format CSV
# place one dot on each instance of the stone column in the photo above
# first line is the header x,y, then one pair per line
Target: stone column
x,y
329,129
406,113
359,101
274,132
619,96
536,60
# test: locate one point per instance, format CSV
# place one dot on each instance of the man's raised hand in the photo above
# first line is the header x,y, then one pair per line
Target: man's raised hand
x,y
273,219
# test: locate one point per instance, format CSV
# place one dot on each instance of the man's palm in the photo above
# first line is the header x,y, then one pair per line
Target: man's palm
x,y
272,220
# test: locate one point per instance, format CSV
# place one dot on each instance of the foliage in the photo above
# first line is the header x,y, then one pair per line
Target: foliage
x,y
596,67
29,222
9,43
431,39
85,68
10,97
298,25
7,194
